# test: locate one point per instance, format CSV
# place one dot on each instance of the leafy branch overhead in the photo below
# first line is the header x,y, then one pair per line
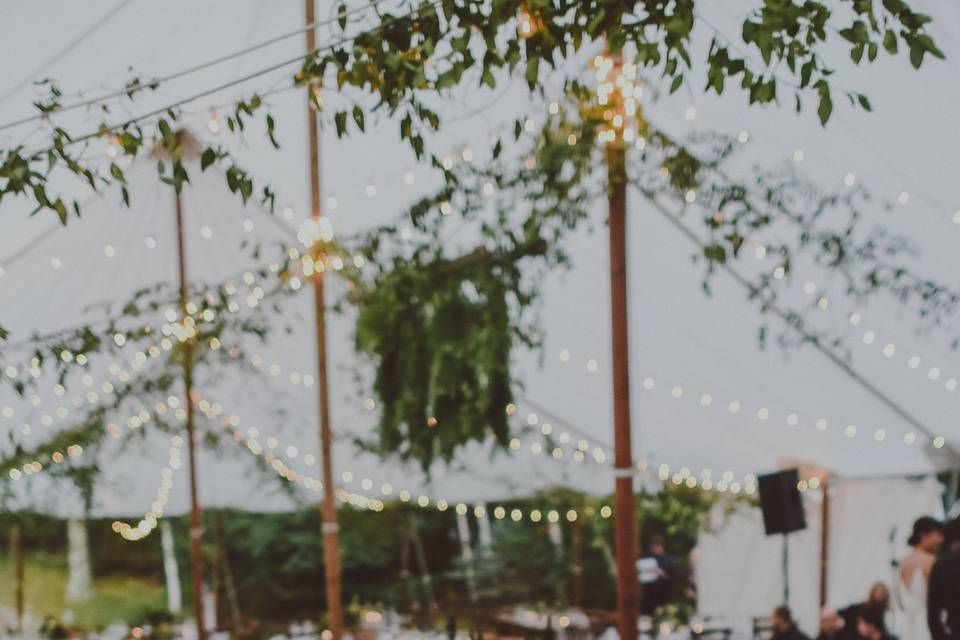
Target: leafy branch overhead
x,y
404,57
439,327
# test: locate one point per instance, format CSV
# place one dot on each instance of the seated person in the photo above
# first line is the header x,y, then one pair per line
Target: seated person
x,y
870,624
878,599
831,625
784,627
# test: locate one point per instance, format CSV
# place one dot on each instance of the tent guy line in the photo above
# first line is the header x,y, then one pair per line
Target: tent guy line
x,y
153,84
70,46
794,324
105,129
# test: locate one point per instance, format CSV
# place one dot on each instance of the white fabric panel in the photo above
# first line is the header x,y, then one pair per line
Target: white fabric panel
x,y
738,567
870,523
485,534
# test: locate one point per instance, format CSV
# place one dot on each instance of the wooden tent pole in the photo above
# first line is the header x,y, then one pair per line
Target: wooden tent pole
x,y
330,527
196,518
16,555
625,527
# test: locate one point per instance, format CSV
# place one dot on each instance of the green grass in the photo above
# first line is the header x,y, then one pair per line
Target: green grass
x,y
115,598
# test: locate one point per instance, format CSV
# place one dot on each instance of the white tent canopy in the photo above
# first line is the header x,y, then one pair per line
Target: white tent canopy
x,y
702,349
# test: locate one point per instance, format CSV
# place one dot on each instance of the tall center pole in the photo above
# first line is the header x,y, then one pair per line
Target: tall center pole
x,y
625,537
330,528
196,522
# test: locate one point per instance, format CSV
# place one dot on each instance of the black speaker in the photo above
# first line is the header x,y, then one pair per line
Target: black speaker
x,y
781,503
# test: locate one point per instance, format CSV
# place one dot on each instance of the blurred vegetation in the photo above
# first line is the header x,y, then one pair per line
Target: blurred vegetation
x,y
115,598
275,560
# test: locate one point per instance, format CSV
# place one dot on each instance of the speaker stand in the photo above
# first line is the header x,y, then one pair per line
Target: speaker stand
x,y
786,570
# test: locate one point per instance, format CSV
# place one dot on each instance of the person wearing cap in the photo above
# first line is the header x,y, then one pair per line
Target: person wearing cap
x,y
913,573
943,600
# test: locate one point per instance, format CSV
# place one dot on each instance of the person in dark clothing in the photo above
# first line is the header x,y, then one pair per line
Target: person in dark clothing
x,y
878,599
549,633
659,592
943,589
784,627
870,623
831,625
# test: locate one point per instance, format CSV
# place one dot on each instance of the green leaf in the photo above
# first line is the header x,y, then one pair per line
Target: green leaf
x,y
856,53
864,102
340,120
533,71
825,108
207,158
806,71
61,210
927,43
890,41
486,78
916,55
715,253
677,83
271,131
165,130
445,80
417,143
860,32
896,7
358,117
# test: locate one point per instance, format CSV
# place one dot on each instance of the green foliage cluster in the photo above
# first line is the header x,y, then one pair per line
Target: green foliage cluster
x,y
440,328
442,345
409,56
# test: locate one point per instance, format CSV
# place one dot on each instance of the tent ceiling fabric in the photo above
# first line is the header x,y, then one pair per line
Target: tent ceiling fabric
x,y
706,346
